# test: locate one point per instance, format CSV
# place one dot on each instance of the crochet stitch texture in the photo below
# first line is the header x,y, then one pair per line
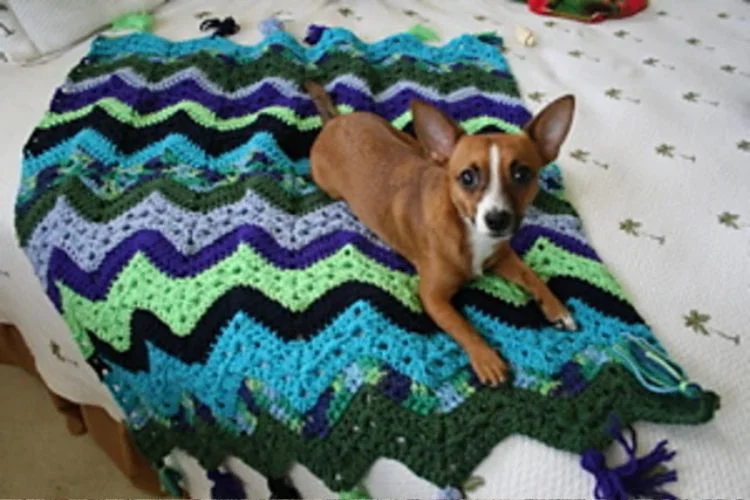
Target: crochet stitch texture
x,y
233,309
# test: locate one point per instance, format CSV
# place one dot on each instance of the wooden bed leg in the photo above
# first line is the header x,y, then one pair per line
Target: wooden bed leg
x,y
110,435
72,413
14,351
114,438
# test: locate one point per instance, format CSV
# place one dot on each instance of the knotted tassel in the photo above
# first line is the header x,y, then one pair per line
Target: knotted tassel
x,y
282,488
226,485
226,27
270,25
638,477
653,368
314,33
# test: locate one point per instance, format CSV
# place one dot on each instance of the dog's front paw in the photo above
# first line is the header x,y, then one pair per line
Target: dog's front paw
x,y
559,315
488,365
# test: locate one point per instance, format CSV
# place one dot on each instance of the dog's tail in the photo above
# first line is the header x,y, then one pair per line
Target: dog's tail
x,y
322,101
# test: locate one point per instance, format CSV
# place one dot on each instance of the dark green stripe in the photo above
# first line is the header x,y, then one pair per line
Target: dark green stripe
x,y
96,209
444,449
553,205
275,64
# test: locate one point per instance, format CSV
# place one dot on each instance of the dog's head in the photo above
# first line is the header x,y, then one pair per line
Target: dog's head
x,y
493,177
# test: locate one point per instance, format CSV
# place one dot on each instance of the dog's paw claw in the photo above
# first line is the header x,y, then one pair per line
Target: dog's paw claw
x,y
566,323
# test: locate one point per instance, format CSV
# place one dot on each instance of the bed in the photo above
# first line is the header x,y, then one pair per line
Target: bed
x,y
655,165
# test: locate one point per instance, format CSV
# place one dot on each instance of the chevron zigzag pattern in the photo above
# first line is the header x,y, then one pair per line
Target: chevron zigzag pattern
x,y
233,309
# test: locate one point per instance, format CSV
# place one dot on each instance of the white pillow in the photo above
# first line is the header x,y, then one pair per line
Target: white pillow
x,y
30,29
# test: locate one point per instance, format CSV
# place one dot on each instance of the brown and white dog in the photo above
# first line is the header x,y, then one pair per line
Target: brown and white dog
x,y
448,202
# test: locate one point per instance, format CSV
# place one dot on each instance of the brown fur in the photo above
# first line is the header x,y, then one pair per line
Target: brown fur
x,y
406,191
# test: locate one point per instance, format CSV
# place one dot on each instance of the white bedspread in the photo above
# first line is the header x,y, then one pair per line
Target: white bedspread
x,y
658,164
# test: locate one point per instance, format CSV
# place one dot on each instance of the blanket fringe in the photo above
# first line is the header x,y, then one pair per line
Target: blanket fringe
x,y
638,477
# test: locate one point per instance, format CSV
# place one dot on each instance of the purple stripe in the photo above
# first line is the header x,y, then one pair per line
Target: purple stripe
x,y
168,259
528,234
267,95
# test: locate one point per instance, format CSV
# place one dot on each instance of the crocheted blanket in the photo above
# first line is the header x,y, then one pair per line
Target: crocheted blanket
x,y
233,309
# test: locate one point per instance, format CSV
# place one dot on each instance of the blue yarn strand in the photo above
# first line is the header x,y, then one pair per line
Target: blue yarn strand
x,y
653,368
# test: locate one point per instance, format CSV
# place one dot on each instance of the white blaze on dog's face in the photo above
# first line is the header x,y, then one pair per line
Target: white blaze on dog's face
x,y
493,177
494,215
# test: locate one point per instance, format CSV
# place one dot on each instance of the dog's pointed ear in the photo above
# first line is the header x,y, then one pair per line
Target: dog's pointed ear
x,y
437,133
549,128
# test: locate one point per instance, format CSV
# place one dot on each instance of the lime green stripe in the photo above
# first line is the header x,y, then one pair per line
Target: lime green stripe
x,y
207,118
141,285
548,261
474,125
197,112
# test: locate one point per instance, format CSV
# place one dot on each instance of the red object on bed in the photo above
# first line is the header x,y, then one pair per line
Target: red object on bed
x,y
590,11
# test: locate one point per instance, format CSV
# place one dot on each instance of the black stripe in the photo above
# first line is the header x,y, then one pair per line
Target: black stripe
x,y
294,142
195,347
128,139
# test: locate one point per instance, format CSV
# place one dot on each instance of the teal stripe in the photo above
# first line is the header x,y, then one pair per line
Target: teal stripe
x,y
316,365
464,47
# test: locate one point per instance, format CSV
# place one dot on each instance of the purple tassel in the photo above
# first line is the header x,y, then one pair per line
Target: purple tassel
x,y
450,493
270,26
314,33
226,485
638,477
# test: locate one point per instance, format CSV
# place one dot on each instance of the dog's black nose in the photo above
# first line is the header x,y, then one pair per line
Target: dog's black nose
x,y
499,221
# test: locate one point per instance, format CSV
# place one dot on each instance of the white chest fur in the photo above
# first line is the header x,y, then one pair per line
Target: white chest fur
x,y
481,246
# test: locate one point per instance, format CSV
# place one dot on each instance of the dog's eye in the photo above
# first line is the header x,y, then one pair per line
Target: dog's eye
x,y
469,178
521,174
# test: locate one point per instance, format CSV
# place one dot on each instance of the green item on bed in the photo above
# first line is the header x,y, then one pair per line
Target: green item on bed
x,y
424,33
135,21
